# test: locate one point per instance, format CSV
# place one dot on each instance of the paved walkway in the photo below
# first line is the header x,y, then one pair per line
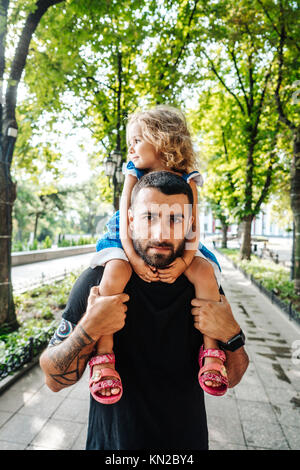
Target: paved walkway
x,y
30,275
262,412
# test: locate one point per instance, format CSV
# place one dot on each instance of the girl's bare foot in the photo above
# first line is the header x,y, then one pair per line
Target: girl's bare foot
x,y
209,360
96,377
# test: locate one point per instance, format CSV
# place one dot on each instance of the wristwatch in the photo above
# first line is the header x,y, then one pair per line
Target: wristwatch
x,y
234,343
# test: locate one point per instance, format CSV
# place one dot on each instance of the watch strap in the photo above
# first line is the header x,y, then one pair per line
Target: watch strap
x,y
233,343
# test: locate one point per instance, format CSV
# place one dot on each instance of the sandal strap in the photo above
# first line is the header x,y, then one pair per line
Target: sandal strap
x,y
213,366
213,377
218,353
108,383
102,359
107,372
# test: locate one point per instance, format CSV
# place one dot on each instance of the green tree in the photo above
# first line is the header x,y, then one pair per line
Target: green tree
x,y
96,63
13,70
283,36
232,53
224,152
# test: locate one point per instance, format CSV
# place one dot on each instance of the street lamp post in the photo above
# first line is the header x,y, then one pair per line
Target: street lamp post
x,y
113,169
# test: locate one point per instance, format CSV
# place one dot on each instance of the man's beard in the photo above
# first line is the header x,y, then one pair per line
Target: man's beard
x,y
158,260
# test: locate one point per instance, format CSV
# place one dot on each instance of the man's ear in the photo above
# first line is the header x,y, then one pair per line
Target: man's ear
x,y
130,217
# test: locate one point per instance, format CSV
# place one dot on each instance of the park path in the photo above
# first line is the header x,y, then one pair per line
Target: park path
x,y
262,412
31,275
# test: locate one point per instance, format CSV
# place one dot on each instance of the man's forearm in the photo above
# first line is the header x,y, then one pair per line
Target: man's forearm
x,y
64,364
236,365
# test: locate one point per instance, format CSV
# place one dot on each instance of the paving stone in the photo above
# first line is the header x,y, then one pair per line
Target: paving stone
x,y
215,445
292,434
57,434
254,392
4,416
6,445
21,429
73,409
41,404
13,399
80,442
264,435
252,411
225,430
287,415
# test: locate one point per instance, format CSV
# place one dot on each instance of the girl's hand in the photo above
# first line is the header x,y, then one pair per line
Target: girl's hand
x,y
173,271
144,271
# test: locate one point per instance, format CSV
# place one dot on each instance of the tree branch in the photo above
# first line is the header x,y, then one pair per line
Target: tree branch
x,y
261,101
182,46
231,52
268,180
274,26
282,116
213,68
227,160
20,57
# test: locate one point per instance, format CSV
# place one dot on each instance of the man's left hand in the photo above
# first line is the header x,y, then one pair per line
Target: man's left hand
x,y
215,319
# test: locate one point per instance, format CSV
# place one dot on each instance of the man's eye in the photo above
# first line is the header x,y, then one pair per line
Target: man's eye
x,y
150,217
176,219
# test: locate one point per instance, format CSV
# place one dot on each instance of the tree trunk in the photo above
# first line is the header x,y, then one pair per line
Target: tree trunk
x,y
246,238
7,198
295,204
8,128
224,235
36,221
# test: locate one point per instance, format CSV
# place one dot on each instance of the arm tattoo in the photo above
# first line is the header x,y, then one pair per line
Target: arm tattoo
x,y
68,352
64,330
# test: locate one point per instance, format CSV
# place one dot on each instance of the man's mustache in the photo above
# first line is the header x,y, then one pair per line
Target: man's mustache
x,y
151,244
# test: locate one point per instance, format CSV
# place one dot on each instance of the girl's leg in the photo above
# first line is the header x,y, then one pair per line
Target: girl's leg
x,y
201,274
115,277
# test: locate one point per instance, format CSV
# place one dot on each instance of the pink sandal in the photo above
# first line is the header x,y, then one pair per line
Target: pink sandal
x,y
108,383
222,379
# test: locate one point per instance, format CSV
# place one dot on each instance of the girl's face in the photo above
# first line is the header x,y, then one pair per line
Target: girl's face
x,y
142,154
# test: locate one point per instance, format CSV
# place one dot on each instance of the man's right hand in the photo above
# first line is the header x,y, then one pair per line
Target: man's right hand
x,y
104,314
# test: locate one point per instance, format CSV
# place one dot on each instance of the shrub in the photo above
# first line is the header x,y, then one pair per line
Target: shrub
x,y
272,276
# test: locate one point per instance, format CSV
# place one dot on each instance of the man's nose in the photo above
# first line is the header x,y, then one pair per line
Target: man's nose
x,y
160,230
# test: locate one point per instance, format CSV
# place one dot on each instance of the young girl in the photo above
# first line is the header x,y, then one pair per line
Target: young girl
x,y
158,140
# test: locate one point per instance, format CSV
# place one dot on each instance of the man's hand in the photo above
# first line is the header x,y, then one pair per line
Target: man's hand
x,y
64,364
104,314
144,271
173,271
215,319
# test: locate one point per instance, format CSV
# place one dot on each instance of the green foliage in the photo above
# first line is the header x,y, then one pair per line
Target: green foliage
x,y
272,276
34,246
47,243
38,313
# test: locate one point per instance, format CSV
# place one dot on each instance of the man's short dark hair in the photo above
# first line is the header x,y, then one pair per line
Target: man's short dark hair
x,y
164,181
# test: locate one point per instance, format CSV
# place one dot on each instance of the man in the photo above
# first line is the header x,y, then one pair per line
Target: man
x,y
162,407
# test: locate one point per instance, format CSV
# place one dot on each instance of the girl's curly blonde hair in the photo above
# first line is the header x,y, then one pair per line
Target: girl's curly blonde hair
x,y
165,127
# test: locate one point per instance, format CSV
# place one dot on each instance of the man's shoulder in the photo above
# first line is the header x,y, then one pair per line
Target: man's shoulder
x,y
78,298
